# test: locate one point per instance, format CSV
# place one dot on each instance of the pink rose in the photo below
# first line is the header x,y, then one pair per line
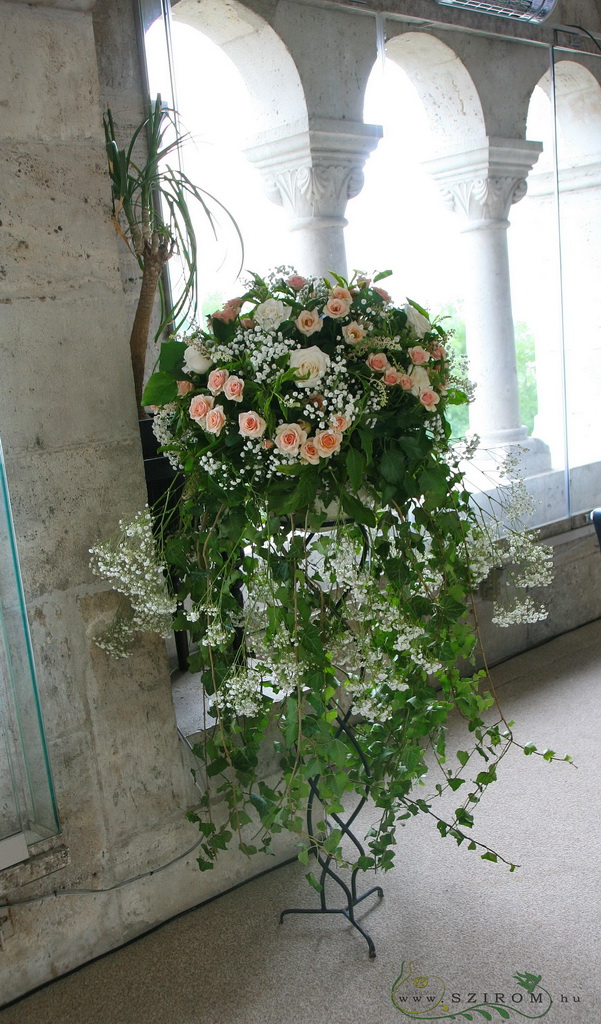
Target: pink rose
x,y
438,352
247,323
289,437
309,452
336,307
328,441
418,355
383,294
233,388
268,444
378,361
429,399
184,387
405,381
309,321
297,282
252,425
215,420
392,377
339,422
217,379
200,407
229,312
353,332
340,293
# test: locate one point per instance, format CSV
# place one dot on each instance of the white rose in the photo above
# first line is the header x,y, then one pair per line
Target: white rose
x,y
310,361
270,314
195,361
420,379
420,323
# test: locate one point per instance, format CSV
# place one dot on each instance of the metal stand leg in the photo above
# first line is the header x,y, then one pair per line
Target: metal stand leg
x,y
350,892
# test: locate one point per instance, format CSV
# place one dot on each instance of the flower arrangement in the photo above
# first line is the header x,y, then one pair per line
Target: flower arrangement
x,y
321,548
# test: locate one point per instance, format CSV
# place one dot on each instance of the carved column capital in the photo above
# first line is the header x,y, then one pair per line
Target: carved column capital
x,y
314,173
483,199
482,182
318,190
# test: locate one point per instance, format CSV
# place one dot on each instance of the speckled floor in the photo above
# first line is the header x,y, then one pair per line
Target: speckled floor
x,y
465,926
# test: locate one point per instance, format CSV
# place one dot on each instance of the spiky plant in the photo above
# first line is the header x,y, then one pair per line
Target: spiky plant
x,y
152,204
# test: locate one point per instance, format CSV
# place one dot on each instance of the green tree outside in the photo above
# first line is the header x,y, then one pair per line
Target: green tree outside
x,y
524,347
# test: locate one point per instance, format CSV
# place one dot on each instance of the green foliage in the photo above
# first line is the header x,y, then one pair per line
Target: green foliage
x,y
318,543
454,324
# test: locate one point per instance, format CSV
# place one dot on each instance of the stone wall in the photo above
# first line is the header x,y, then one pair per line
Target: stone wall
x,y
69,429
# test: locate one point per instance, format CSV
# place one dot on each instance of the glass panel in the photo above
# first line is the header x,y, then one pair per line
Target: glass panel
x,y
577,93
26,796
537,309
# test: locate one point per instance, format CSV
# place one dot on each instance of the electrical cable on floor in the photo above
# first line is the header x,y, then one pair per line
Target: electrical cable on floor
x,y
145,874
135,878
110,888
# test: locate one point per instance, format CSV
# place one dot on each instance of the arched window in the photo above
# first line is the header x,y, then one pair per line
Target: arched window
x,y
217,112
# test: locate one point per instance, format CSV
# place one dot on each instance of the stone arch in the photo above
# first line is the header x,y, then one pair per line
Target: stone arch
x,y
444,85
578,100
260,56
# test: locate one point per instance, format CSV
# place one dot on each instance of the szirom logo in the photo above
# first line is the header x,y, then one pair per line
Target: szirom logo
x,y
425,997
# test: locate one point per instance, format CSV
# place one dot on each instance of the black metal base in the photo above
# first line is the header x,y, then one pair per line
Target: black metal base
x,y
347,911
350,891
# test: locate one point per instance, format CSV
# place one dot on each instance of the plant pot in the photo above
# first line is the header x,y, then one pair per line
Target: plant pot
x,y
158,471
160,474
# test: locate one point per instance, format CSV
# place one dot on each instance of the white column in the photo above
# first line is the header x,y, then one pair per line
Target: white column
x,y
480,185
313,174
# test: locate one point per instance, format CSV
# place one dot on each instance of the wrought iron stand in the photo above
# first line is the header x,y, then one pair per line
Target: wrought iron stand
x,y
350,891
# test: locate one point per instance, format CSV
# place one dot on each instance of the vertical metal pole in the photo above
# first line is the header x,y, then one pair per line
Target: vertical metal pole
x,y
562,347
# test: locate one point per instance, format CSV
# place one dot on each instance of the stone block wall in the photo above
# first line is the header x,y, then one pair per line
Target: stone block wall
x,y
69,429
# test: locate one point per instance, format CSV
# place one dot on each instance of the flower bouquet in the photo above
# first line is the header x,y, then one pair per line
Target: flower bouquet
x,y
321,550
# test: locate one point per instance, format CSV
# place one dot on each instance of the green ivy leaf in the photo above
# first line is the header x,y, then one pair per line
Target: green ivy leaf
x,y
330,844
160,390
355,467
313,881
393,466
171,358
259,803
356,510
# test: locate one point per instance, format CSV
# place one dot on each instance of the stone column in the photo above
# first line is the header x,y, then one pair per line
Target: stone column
x,y
481,184
313,174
